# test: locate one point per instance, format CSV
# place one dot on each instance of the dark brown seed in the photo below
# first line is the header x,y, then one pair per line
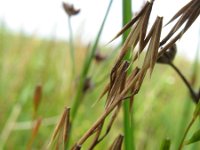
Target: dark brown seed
x,y
168,56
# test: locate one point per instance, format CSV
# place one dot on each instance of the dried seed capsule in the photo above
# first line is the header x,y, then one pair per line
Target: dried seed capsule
x,y
70,10
168,56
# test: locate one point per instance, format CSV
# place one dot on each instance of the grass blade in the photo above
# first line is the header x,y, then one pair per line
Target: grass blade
x,y
165,144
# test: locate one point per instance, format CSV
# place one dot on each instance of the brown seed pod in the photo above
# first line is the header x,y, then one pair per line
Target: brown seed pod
x,y
168,56
70,10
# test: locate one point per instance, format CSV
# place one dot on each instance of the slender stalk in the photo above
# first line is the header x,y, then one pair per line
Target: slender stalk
x,y
186,132
183,121
71,46
87,65
194,97
128,118
79,94
195,75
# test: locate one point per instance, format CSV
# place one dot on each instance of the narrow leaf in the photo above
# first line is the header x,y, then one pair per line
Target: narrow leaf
x,y
165,144
195,138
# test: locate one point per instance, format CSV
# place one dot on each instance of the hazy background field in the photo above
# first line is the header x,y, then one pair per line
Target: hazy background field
x,y
27,59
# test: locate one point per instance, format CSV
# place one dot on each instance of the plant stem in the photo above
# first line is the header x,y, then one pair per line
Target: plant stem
x,y
186,132
183,121
79,94
71,46
128,118
87,65
192,93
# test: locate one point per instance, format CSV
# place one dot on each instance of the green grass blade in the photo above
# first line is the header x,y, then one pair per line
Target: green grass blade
x,y
71,46
165,144
87,65
79,93
128,118
195,138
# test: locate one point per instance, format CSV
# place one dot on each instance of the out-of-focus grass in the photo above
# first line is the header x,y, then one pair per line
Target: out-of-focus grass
x,y
26,61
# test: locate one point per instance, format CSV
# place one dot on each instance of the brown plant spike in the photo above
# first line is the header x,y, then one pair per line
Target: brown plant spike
x,y
117,144
122,84
187,14
62,126
37,99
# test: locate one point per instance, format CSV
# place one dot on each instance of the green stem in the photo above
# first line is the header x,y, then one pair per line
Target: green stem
x,y
87,64
128,118
71,46
183,122
186,132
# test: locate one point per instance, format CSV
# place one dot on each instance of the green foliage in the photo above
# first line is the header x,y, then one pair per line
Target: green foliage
x,y
165,144
195,138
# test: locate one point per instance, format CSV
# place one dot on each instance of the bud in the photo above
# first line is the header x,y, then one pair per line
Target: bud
x,y
70,10
168,56
88,84
98,57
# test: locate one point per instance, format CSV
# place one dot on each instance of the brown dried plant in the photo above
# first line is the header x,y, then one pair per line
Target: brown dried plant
x,y
117,144
61,132
70,10
37,99
123,85
120,82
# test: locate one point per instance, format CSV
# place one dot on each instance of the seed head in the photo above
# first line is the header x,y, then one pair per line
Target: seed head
x,y
70,10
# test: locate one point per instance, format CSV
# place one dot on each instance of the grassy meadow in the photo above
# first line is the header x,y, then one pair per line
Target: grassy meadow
x,y
162,109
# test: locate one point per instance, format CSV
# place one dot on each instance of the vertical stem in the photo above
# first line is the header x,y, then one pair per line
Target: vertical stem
x,y
86,67
71,46
183,121
128,118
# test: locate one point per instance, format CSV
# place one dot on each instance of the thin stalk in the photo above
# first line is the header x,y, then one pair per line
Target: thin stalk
x,y
128,118
71,46
194,97
186,132
195,76
183,122
87,64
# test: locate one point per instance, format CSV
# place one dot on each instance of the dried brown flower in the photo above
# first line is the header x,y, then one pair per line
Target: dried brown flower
x,y
37,99
70,10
